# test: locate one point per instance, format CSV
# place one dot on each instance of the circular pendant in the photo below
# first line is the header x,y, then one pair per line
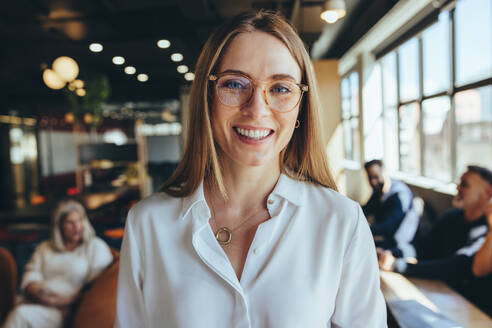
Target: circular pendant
x,y
223,236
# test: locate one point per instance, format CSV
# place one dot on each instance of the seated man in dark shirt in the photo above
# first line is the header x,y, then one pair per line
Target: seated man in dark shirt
x,y
390,204
447,251
479,290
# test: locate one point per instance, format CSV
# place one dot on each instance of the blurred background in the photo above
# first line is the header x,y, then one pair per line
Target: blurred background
x,y
94,94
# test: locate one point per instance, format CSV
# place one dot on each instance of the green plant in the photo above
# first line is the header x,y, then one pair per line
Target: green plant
x,y
97,90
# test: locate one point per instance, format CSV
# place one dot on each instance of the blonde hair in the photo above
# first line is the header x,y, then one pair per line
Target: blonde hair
x,y
63,209
303,159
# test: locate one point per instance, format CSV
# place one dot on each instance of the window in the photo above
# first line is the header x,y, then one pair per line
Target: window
x,y
474,127
410,138
350,116
435,47
437,135
408,66
390,118
435,123
473,40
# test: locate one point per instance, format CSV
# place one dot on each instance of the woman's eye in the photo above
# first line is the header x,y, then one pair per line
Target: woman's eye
x,y
233,85
280,89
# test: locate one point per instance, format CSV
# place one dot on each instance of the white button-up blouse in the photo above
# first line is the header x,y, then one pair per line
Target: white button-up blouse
x,y
313,264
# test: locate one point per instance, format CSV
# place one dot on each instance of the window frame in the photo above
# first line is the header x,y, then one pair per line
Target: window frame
x,y
451,92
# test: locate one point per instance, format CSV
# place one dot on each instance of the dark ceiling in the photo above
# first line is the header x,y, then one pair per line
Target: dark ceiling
x,y
35,32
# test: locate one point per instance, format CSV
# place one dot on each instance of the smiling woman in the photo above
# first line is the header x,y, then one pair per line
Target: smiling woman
x,y
250,231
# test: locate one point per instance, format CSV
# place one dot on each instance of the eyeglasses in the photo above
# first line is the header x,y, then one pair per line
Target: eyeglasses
x,y
236,90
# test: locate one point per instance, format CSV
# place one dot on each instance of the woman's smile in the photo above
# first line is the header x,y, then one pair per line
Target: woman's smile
x,y
253,135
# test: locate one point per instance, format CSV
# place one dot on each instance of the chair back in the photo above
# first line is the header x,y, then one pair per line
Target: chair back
x,y
8,282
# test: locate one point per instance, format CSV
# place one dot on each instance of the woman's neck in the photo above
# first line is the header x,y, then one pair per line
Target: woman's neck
x,y
71,245
247,187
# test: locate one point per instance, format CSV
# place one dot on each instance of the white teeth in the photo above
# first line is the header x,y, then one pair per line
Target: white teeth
x,y
253,134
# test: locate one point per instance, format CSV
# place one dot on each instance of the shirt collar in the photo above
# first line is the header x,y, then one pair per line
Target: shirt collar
x,y
195,198
290,189
286,187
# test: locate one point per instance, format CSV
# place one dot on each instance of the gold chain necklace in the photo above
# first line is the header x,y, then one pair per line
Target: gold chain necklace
x,y
224,234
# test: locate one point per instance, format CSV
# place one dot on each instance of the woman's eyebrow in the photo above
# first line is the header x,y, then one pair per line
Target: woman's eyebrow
x,y
271,77
282,77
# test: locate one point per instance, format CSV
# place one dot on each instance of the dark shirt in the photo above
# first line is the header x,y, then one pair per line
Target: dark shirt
x,y
479,292
389,210
446,252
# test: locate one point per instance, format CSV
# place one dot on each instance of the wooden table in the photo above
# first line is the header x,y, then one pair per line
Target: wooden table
x,y
435,295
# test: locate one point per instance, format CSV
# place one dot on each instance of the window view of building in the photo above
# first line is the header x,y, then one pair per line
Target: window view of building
x,y
436,90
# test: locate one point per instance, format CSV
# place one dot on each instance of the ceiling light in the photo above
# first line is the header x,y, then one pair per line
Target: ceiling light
x,y
189,76
333,10
69,117
142,77
78,84
96,47
88,118
52,80
130,70
66,68
176,57
118,60
80,92
182,69
163,43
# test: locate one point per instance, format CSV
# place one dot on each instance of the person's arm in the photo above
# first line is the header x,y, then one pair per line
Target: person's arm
x,y
33,271
32,281
359,301
130,308
390,223
368,208
482,263
453,268
99,258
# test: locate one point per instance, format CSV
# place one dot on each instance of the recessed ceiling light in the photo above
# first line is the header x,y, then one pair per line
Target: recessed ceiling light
x,y
189,76
142,77
163,43
182,69
130,70
118,60
176,57
96,47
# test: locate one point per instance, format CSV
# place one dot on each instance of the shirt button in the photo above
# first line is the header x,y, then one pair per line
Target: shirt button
x,y
271,201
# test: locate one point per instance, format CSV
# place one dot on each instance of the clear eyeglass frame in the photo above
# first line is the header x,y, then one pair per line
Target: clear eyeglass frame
x,y
302,88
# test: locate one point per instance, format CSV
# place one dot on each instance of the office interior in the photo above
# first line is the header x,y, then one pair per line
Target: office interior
x,y
408,82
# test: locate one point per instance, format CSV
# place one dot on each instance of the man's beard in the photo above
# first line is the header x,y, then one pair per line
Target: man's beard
x,y
378,190
458,201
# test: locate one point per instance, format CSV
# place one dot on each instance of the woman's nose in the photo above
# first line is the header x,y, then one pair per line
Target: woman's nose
x,y
257,105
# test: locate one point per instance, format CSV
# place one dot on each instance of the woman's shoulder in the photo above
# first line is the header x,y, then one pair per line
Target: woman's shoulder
x,y
156,201
158,204
97,243
45,246
324,197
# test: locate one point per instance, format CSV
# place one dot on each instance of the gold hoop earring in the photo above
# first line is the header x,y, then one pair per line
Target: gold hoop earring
x,y
298,124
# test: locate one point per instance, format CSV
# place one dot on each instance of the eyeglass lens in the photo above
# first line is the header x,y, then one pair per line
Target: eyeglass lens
x,y
236,90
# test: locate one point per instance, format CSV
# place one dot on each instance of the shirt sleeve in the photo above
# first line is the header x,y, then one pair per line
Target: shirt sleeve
x,y
99,258
369,208
450,269
33,271
388,225
360,302
130,308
